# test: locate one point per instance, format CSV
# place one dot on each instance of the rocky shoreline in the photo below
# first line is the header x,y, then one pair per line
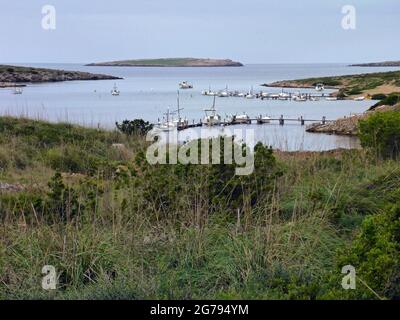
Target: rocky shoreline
x,y
378,64
347,126
12,76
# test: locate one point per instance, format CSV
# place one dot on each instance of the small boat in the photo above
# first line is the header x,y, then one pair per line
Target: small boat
x,y
331,98
359,99
241,95
185,85
314,98
250,95
115,91
179,123
223,93
263,119
167,124
17,90
208,92
242,118
211,118
300,98
319,87
283,96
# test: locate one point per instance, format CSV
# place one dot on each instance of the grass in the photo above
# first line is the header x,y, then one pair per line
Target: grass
x,y
352,85
116,228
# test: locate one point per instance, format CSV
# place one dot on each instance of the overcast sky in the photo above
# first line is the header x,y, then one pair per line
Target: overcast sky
x,y
250,31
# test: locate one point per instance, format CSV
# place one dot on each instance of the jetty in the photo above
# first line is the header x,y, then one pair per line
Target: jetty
x,y
251,120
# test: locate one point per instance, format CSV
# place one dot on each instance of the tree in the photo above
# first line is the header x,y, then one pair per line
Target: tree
x,y
380,133
134,127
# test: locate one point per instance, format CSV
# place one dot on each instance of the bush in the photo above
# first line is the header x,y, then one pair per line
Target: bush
x,y
390,100
137,126
378,96
380,133
376,254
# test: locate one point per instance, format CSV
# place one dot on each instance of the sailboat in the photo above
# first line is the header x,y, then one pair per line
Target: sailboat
x,y
212,119
180,123
224,93
167,124
115,91
208,92
250,95
17,90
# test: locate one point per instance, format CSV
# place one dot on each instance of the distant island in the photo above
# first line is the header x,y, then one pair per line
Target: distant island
x,y
170,62
378,64
11,76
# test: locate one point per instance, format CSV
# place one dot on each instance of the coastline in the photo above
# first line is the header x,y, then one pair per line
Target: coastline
x,y
16,76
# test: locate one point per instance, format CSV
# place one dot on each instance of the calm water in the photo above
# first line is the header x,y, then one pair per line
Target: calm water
x,y
148,92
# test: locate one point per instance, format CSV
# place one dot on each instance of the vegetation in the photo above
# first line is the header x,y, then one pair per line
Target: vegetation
x,y
352,85
171,62
116,227
380,133
134,127
387,100
10,75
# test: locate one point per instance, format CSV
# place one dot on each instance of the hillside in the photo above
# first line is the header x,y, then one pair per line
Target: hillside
x,y
350,85
11,75
171,62
87,202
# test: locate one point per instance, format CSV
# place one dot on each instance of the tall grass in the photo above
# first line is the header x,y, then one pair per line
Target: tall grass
x,y
116,228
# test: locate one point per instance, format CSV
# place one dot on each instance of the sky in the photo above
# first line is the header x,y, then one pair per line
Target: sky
x,y
249,31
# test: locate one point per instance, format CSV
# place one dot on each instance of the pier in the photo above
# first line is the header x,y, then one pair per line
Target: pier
x,y
258,120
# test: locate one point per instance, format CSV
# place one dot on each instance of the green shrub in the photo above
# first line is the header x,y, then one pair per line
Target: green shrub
x,y
390,100
137,126
378,96
380,133
376,255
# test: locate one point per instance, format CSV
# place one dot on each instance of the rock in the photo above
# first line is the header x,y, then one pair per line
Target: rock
x,y
11,187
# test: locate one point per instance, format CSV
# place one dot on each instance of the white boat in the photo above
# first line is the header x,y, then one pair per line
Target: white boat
x,y
242,118
223,93
319,87
314,99
167,124
115,91
263,119
300,98
241,95
283,96
17,90
250,95
180,123
208,92
211,118
359,99
274,96
331,98
185,85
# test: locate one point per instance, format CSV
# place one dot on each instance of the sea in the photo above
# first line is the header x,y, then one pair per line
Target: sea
x,y
148,92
